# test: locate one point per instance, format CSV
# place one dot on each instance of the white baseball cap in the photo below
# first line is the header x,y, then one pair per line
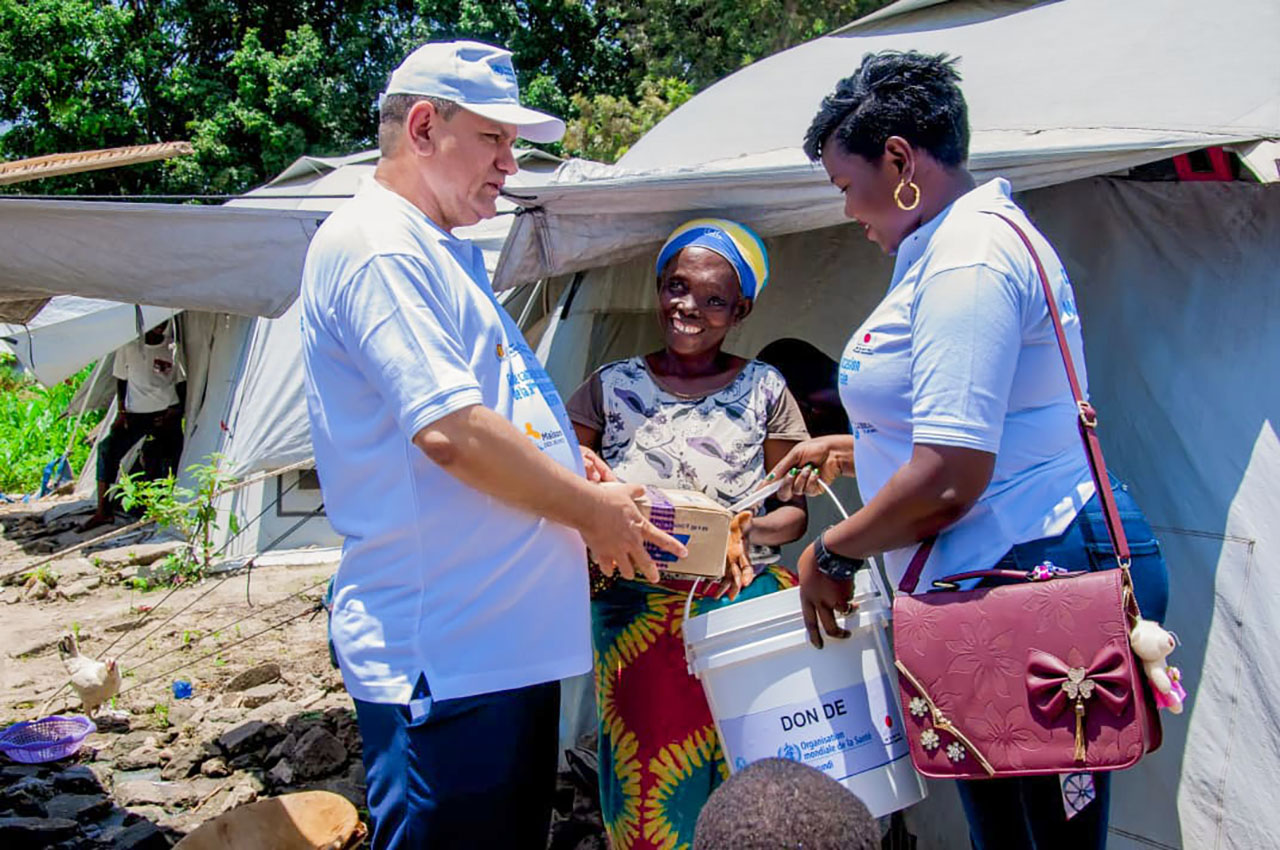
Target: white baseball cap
x,y
478,77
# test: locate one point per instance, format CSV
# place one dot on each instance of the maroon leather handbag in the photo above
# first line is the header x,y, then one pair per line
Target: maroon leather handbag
x,y
1032,677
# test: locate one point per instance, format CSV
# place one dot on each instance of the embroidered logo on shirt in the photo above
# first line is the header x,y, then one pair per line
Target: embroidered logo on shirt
x,y
502,352
544,439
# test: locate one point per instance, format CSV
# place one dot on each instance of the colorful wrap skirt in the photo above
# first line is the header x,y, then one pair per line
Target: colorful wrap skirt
x,y
660,756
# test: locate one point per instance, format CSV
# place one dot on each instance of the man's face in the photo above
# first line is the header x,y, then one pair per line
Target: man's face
x,y
471,161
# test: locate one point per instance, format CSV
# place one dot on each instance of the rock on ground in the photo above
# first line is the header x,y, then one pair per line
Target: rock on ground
x,y
139,554
247,737
257,696
254,676
143,835
318,753
142,792
79,807
37,832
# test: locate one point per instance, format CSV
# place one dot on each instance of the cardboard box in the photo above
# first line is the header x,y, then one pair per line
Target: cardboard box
x,y
697,521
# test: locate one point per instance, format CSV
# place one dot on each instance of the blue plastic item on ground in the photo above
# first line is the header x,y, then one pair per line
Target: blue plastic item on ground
x,y
181,689
56,473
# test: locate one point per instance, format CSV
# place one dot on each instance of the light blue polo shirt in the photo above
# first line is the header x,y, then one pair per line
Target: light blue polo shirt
x,y
400,328
961,352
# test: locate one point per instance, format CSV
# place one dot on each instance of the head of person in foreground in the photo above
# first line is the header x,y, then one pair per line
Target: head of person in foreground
x,y
710,272
894,139
778,804
446,126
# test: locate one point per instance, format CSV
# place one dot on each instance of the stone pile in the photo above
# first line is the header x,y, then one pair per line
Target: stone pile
x,y
145,781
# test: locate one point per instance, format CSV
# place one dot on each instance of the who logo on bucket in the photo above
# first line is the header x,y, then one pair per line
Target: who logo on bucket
x,y
790,752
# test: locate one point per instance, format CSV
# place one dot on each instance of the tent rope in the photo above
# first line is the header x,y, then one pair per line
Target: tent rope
x,y
309,610
252,562
222,628
231,574
247,569
117,532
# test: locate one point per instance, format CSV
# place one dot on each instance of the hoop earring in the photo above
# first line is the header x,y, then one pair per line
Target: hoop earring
x,y
897,196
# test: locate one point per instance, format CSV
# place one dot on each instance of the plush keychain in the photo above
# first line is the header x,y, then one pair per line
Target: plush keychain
x,y
1152,644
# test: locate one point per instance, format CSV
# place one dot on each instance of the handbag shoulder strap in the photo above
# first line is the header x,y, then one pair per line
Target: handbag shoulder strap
x,y
1087,423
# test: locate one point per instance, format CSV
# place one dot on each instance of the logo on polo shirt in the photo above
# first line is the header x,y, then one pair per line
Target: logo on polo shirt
x,y
544,439
501,352
864,345
848,366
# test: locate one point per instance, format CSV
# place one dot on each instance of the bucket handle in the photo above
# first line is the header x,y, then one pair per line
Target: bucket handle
x,y
688,608
877,582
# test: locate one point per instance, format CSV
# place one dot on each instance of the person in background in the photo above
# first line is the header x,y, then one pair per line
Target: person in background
x,y
811,377
693,417
150,394
449,466
965,426
779,804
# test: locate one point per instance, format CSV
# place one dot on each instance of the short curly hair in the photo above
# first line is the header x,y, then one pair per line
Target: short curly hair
x,y
893,93
778,804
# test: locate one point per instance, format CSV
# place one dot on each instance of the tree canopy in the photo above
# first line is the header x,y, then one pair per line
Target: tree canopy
x,y
255,84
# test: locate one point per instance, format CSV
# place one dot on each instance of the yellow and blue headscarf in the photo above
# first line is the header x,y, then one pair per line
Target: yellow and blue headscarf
x,y
737,243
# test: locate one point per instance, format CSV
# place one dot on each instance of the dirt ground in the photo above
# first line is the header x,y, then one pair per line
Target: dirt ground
x,y
267,713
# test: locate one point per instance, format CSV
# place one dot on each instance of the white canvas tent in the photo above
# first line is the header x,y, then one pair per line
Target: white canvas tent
x,y
71,331
245,386
1176,282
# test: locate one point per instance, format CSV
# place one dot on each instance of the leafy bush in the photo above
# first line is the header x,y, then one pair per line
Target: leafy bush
x,y
190,512
35,427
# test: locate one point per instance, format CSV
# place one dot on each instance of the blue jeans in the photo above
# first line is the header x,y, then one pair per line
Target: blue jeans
x,y
474,772
1026,813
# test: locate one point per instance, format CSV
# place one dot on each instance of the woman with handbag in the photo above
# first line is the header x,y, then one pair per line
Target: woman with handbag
x,y
965,440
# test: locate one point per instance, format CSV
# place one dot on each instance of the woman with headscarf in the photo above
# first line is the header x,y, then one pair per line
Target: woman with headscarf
x,y
964,426
690,416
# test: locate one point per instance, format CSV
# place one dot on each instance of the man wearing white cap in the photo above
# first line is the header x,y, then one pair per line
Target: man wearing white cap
x,y
448,463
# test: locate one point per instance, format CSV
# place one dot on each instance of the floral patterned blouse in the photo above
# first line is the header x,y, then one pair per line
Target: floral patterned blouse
x,y
713,443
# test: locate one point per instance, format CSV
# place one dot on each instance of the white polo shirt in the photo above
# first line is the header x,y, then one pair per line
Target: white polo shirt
x,y
152,374
400,328
961,352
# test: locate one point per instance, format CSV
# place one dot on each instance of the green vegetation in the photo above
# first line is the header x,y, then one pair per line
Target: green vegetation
x,y
190,512
35,427
49,577
255,85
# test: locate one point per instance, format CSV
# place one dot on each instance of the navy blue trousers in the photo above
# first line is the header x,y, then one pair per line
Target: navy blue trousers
x,y
473,772
1026,813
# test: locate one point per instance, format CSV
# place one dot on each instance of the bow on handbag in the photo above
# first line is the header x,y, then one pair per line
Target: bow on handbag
x,y
1054,685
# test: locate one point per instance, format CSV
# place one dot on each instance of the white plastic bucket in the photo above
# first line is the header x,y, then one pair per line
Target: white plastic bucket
x,y
835,709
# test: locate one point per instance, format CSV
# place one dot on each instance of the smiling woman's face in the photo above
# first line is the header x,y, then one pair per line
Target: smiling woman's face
x,y
868,194
699,300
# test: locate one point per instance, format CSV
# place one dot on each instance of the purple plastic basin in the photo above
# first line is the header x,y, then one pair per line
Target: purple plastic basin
x,y
47,739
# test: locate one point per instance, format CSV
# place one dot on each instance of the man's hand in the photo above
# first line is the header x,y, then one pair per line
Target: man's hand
x,y
119,421
598,472
822,458
617,532
739,571
821,598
